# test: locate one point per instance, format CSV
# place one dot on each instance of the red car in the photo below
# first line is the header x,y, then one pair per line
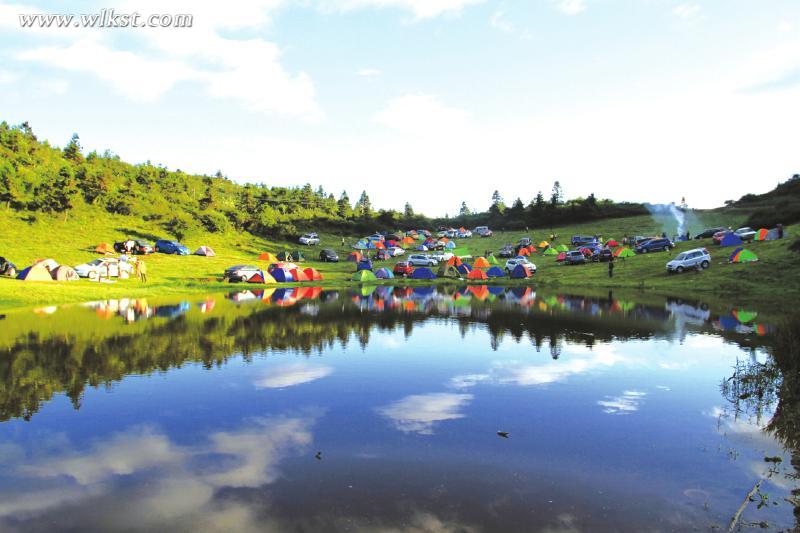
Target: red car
x,y
403,268
718,236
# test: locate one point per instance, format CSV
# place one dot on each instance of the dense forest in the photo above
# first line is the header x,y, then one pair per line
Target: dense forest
x,y
39,178
781,205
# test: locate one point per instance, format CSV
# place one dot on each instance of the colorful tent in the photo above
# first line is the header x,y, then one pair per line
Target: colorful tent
x,y
477,274
481,262
520,272
479,292
448,271
364,276
761,235
355,257
268,257
281,275
64,273
612,243
744,316
550,251
313,274
624,252
261,277
450,245
36,272
532,249
282,265
407,241
495,272
730,239
423,273
299,275
742,255
561,256
544,244
524,252
297,255
464,269
384,273
562,248
206,251
284,256
104,248
493,260
364,264
586,251
454,261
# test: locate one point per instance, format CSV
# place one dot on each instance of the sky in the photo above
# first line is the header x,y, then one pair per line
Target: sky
x,y
431,102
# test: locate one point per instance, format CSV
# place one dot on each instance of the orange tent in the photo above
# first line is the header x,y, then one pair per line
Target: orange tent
x,y
481,292
524,251
380,246
313,274
532,249
408,241
444,240
104,248
477,274
266,256
481,262
299,275
454,261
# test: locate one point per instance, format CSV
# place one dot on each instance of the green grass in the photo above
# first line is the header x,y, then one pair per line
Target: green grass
x,y
72,241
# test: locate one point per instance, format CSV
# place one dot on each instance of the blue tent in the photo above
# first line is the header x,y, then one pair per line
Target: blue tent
x,y
520,272
423,273
425,291
731,239
364,264
282,295
495,272
281,275
384,273
736,251
464,269
450,245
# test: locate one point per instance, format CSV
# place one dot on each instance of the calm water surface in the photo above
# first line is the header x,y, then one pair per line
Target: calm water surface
x,y
379,410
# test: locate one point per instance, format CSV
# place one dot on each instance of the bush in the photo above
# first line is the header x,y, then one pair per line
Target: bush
x,y
215,222
783,213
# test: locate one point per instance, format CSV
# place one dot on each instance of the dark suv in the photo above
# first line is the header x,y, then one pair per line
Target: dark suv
x,y
578,240
525,241
506,251
708,233
602,256
655,245
328,256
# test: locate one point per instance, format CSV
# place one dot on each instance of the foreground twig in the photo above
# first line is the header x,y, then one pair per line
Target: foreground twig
x,y
739,512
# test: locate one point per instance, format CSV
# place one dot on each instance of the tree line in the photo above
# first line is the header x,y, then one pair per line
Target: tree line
x,y
40,178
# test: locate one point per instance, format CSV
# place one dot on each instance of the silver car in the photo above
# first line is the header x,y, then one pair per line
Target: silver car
x,y
699,258
422,260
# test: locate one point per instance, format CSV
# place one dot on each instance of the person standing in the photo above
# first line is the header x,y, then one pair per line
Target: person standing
x,y
142,267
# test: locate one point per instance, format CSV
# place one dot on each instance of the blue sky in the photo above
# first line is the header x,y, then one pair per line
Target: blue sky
x,y
430,101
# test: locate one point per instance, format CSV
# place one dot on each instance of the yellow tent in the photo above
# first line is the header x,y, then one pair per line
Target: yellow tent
x,y
481,262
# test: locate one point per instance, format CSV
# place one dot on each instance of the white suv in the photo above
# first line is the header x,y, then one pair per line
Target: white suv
x,y
309,239
421,260
511,264
697,258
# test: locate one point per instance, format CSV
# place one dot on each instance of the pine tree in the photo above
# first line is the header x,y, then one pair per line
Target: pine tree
x,y
464,211
364,206
408,211
557,196
344,207
73,149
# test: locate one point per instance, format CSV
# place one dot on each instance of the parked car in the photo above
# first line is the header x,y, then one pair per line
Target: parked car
x,y
602,256
640,240
327,255
708,233
506,251
240,273
578,240
139,247
309,239
654,245
746,234
697,258
466,234
574,257
105,267
487,233
511,264
525,241
171,247
403,268
483,231
395,251
421,260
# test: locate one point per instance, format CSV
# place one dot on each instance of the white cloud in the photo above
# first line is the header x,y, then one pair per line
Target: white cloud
x,y
571,7
369,72
624,404
423,114
288,376
686,11
785,26
420,412
422,9
499,22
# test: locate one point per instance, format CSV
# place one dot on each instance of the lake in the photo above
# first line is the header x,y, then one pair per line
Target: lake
x,y
396,409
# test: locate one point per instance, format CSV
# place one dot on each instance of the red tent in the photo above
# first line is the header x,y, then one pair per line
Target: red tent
x,y
477,274
561,256
299,275
313,274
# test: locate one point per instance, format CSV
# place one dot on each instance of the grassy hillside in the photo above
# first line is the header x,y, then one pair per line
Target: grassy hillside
x,y
72,241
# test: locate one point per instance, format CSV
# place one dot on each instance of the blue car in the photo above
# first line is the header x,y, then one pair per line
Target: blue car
x,y
171,247
654,245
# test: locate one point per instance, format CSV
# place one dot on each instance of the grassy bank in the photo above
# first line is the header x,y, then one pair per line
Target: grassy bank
x,y
72,241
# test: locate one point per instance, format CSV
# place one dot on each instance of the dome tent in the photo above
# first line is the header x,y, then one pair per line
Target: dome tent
x,y
423,273
495,272
364,275
384,273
